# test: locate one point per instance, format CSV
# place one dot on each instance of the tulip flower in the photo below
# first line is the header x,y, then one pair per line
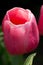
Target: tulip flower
x,y
40,22
20,31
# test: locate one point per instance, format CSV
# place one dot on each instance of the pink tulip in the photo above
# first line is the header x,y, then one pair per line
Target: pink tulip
x,y
20,31
40,22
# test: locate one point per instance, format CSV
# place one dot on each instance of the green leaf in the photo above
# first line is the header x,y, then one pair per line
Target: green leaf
x,y
29,59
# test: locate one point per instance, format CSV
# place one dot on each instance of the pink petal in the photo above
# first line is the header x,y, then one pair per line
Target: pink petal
x,y
40,22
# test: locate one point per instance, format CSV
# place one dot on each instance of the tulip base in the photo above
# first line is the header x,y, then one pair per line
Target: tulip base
x,y
7,59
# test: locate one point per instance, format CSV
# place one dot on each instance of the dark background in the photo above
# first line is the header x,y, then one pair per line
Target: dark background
x,y
34,6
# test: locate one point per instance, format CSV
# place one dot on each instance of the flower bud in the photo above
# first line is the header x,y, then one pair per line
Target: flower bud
x,y
40,22
20,31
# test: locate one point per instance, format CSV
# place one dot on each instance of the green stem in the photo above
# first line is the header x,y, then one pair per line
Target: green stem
x,y
17,60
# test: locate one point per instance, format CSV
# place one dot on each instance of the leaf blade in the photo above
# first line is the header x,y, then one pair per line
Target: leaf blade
x,y
29,59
